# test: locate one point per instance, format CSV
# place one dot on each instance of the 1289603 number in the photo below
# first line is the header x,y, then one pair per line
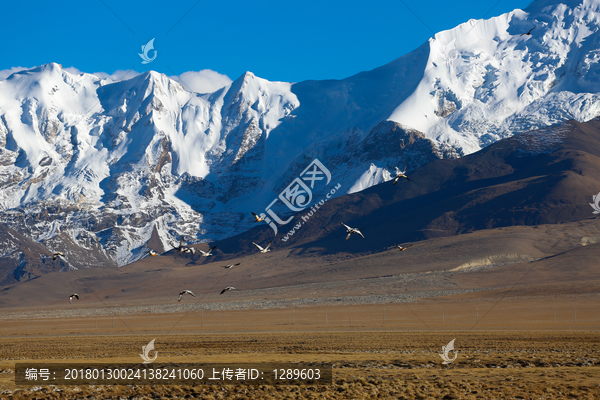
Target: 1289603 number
x,y
297,373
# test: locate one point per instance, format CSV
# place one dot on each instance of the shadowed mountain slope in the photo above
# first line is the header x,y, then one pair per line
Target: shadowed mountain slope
x,y
541,177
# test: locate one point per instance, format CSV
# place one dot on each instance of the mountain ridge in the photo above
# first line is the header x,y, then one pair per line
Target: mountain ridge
x,y
112,164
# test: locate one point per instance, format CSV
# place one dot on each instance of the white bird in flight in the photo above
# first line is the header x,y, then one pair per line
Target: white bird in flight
x,y
400,174
184,292
56,255
207,253
402,248
230,265
74,295
351,231
227,288
180,248
189,250
261,249
153,253
258,218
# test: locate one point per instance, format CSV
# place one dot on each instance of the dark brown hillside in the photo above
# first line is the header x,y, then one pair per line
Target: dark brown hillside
x,y
541,177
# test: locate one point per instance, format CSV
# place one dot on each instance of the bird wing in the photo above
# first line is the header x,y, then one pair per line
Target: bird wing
x,y
348,235
347,227
357,231
213,248
269,245
255,216
223,291
395,180
71,299
181,242
76,295
180,297
260,248
193,250
190,292
235,265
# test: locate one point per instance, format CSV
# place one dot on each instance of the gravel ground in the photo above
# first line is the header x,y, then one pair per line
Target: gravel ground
x,y
384,290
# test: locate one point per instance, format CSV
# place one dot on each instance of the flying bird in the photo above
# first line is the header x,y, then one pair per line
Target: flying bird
x,y
258,218
189,250
400,174
261,249
153,253
402,248
351,231
56,255
207,253
74,295
226,289
184,292
180,248
528,33
230,265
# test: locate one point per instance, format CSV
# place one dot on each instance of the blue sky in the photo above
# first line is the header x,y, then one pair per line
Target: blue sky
x,y
276,40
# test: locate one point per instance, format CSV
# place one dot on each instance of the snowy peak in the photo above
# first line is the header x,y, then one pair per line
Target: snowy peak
x,y
252,108
144,92
241,84
490,79
541,6
270,101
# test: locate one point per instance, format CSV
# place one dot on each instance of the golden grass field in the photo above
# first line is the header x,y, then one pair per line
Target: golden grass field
x,y
516,351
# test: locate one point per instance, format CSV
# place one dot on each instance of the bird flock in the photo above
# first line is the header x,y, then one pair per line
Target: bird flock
x,y
183,249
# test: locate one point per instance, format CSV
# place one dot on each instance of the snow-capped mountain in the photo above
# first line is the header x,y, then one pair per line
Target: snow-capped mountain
x,y
96,168
486,80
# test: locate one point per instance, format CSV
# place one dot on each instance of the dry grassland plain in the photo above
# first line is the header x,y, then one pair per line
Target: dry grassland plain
x,y
519,349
